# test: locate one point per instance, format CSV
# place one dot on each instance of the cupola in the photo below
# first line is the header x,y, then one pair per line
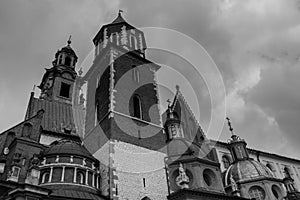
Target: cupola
x,y
66,56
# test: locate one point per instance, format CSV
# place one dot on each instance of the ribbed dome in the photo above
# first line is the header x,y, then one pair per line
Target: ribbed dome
x,y
246,170
68,147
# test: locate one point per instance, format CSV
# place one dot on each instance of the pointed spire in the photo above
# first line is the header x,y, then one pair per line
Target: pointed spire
x,y
119,19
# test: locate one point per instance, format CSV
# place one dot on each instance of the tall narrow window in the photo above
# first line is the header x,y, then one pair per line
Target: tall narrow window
x,y
45,177
137,107
79,178
64,90
96,114
135,74
133,42
68,61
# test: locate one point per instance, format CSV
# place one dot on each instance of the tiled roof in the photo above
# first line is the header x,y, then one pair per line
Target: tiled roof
x,y
58,116
76,194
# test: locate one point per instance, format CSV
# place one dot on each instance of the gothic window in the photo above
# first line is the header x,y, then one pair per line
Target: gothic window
x,y
64,90
226,161
68,61
80,178
135,74
27,129
257,192
45,177
137,107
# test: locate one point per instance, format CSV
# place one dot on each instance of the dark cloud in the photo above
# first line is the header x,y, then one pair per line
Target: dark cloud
x,y
254,43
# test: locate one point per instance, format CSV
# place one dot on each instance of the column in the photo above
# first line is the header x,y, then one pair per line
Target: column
x,y
86,177
97,186
75,174
93,180
50,176
63,174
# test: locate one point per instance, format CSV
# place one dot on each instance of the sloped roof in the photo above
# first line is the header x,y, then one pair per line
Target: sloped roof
x,y
58,116
119,19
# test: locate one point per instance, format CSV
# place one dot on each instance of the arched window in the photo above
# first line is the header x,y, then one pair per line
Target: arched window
x,y
45,177
68,61
226,161
276,191
80,178
257,192
27,128
133,43
287,172
137,107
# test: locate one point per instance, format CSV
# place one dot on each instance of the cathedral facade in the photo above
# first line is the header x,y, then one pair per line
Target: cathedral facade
x,y
116,143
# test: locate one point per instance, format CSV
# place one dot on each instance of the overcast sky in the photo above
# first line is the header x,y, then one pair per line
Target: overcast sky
x,y
254,43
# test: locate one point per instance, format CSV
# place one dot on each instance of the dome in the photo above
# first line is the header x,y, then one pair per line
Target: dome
x,y
68,147
67,49
246,170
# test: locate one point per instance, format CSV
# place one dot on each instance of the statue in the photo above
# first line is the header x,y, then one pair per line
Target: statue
x,y
182,179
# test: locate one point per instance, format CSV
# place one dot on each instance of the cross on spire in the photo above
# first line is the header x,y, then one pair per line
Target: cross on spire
x,y
229,124
120,11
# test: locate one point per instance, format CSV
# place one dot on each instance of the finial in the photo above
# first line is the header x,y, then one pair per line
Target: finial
x,y
33,89
169,103
80,72
120,11
69,40
177,87
230,127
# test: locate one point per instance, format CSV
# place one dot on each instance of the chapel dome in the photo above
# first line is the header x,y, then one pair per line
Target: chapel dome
x,y
246,170
68,147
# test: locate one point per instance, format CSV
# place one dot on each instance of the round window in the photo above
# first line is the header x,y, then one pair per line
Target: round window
x,y
209,177
257,192
276,191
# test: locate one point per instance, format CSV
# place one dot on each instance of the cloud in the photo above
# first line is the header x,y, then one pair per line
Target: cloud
x,y
254,43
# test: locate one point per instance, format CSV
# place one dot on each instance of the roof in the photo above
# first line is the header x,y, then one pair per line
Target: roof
x,y
58,116
119,19
246,170
68,147
259,152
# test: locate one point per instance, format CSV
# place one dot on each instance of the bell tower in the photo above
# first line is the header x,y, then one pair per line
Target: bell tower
x,y
122,113
57,83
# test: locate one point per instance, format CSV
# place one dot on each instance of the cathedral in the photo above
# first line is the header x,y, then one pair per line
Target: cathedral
x,y
115,142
